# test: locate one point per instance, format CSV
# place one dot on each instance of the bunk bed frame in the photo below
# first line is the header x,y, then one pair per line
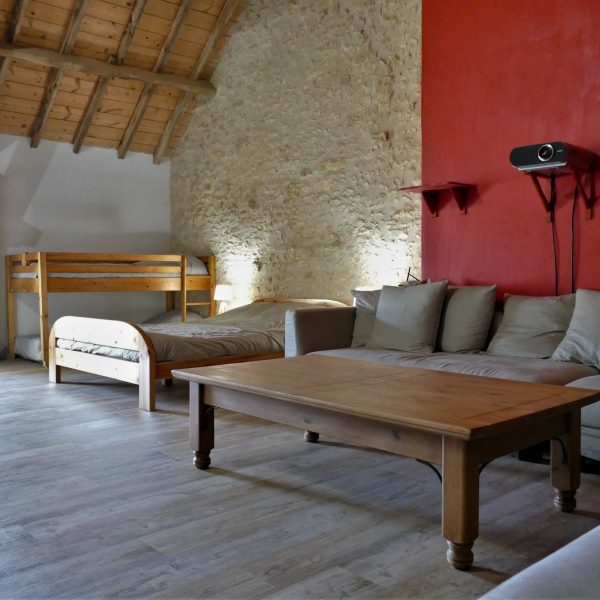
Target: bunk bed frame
x,y
43,273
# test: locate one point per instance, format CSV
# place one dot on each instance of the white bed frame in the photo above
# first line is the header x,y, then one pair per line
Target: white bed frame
x,y
120,334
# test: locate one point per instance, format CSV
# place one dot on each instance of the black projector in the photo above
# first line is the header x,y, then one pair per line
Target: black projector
x,y
551,157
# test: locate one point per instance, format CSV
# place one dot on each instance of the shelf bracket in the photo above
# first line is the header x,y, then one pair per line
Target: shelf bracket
x,y
588,198
431,200
431,194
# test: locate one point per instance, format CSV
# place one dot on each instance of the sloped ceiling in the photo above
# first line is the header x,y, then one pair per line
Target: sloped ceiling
x,y
121,74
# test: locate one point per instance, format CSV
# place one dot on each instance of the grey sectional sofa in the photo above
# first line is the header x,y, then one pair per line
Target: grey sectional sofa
x,y
551,327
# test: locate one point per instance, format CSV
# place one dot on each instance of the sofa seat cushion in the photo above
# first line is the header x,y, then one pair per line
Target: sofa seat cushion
x,y
570,572
504,367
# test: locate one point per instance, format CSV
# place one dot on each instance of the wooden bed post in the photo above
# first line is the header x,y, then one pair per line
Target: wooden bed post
x,y
212,271
147,385
183,287
147,370
10,309
169,301
43,304
53,368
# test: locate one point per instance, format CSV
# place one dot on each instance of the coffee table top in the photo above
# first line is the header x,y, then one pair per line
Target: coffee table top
x,y
463,406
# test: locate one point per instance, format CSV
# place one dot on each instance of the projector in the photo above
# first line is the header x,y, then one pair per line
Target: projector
x,y
551,157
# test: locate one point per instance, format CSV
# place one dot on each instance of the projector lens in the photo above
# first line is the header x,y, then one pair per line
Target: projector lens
x,y
545,152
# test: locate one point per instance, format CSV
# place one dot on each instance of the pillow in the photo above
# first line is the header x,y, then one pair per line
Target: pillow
x,y
407,317
466,318
194,266
532,326
582,341
365,302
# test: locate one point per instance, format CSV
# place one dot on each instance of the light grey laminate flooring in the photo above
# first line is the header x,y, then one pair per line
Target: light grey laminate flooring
x,y
100,500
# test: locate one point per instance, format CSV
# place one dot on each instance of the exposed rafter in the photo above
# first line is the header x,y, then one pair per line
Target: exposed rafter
x,y
185,97
64,62
116,59
12,32
142,103
52,88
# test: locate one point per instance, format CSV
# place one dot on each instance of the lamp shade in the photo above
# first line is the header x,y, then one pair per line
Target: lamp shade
x,y
223,292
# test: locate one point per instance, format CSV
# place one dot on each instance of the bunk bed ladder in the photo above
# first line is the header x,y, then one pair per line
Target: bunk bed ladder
x,y
212,305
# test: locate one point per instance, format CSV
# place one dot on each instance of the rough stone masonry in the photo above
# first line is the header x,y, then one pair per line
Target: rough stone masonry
x,y
291,173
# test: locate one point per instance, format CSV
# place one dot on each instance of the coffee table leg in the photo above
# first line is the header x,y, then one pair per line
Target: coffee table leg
x,y
202,428
460,502
565,460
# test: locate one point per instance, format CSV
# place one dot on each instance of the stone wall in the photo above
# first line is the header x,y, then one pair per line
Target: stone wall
x,y
290,174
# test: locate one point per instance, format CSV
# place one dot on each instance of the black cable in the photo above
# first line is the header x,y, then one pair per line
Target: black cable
x,y
552,217
575,194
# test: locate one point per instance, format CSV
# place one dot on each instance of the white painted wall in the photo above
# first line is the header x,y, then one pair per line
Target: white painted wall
x,y
54,200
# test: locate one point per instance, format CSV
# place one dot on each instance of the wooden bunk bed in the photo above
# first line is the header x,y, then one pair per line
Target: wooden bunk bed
x,y
43,273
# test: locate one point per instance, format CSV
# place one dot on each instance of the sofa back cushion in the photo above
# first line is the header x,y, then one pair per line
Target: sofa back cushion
x,y
582,340
532,326
407,317
365,302
466,318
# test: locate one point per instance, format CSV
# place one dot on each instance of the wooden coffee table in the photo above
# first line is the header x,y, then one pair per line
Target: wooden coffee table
x,y
458,421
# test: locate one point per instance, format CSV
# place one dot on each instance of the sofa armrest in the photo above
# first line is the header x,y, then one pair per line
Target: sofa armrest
x,y
311,329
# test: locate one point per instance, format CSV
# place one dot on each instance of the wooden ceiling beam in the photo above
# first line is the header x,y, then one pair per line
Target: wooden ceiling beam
x,y
70,62
96,99
12,31
184,99
52,87
144,99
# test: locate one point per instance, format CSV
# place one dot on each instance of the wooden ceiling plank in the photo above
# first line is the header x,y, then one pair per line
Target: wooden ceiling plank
x,y
52,89
96,98
64,62
184,99
147,92
13,30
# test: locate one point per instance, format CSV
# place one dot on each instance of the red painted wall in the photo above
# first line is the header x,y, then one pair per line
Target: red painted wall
x,y
497,75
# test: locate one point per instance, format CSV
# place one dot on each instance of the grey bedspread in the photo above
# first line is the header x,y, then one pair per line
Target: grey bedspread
x,y
251,329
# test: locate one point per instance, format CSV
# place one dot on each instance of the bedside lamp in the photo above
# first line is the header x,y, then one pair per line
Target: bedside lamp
x,y
223,295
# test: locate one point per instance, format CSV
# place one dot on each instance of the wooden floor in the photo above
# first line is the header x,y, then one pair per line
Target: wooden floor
x,y
100,500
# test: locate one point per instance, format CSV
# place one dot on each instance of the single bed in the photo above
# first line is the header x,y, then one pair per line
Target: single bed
x,y
43,273
140,354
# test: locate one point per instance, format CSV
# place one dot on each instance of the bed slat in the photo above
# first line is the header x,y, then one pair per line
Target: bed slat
x,y
99,365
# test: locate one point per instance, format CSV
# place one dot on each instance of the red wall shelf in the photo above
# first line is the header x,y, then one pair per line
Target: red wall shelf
x,y
431,194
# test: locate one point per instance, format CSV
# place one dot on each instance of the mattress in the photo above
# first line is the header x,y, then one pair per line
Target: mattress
x,y
191,341
251,329
194,266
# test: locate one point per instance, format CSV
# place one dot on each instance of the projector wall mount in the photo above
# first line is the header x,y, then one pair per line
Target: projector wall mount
x,y
554,159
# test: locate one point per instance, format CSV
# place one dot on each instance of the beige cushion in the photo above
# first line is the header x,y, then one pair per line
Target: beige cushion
x,y
532,326
582,341
365,302
407,317
466,318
